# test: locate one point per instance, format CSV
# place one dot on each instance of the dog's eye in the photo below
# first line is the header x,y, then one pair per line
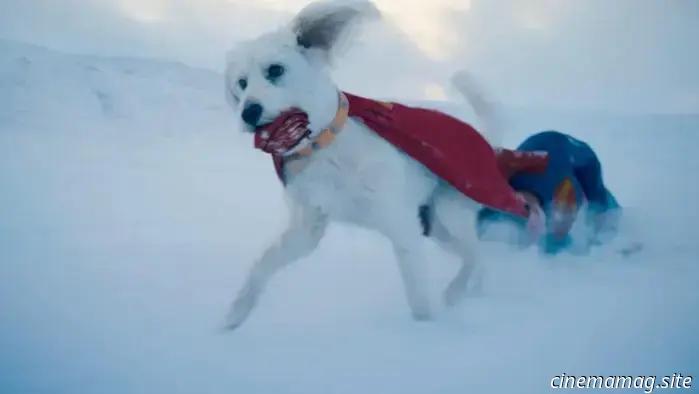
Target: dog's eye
x,y
243,83
274,71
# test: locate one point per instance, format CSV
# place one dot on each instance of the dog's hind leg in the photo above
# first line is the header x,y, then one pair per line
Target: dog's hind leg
x,y
306,229
455,231
403,229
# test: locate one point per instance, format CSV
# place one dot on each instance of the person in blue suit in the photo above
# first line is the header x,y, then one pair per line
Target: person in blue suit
x,y
570,180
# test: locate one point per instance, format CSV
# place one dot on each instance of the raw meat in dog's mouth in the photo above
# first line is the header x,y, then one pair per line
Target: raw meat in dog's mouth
x,y
284,133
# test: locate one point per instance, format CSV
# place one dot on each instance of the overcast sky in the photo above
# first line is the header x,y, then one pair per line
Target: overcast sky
x,y
617,55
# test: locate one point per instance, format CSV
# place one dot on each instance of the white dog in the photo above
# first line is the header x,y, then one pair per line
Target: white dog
x,y
341,169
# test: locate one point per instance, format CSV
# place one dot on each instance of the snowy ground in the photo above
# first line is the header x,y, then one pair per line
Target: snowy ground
x,y
130,210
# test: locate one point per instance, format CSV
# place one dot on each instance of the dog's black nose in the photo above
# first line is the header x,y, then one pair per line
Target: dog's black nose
x,y
252,112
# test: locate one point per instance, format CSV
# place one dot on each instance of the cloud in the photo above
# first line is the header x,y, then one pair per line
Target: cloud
x,y
626,55
195,32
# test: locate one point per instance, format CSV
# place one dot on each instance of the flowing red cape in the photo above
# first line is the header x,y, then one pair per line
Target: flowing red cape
x,y
450,148
513,162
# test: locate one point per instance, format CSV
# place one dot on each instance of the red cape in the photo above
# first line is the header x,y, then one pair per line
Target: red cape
x,y
451,149
513,162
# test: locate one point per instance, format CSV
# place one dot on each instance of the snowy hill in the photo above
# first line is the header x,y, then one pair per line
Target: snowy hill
x,y
131,208
41,87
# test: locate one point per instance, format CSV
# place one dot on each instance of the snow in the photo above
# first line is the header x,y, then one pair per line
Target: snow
x,y
132,208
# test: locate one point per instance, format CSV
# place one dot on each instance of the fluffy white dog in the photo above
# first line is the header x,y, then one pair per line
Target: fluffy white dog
x,y
338,168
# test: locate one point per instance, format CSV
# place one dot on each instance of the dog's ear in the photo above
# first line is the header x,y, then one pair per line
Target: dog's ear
x,y
324,25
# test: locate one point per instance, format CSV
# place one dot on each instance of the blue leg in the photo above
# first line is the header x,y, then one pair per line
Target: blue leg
x,y
552,245
588,171
603,211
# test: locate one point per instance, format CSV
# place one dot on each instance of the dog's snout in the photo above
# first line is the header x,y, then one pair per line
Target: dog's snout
x,y
252,112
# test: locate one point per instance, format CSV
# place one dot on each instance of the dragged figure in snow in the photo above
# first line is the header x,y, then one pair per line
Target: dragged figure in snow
x,y
561,176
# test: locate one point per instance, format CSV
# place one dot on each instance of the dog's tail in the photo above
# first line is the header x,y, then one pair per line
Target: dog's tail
x,y
493,128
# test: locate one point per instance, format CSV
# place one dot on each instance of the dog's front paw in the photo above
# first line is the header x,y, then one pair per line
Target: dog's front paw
x,y
236,317
421,311
239,312
232,322
475,285
454,293
422,316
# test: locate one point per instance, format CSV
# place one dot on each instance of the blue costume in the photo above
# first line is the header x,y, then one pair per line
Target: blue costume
x,y
572,177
